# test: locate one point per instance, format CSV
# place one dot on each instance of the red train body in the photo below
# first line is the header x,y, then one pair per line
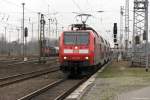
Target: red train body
x,y
82,49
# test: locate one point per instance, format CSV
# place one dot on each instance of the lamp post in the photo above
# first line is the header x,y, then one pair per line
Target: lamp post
x,y
23,31
5,39
56,23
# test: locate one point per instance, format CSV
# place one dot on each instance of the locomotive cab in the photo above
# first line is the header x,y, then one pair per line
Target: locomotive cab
x,y
81,50
75,49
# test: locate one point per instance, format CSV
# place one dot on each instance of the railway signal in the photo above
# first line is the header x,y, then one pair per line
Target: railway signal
x,y
25,35
116,45
26,32
144,35
137,40
115,33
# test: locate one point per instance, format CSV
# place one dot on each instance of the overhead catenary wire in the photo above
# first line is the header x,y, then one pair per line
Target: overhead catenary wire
x,y
14,4
89,5
77,5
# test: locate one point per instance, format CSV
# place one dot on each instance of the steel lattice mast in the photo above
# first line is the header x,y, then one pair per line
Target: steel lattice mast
x,y
42,40
127,25
121,30
140,25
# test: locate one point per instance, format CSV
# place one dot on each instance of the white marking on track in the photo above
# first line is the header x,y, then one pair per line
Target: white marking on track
x,y
141,98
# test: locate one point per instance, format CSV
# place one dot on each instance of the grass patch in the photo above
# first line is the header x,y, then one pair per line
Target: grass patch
x,y
119,77
122,69
116,79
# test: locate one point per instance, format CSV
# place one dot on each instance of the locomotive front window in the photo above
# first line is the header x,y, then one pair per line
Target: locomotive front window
x,y
69,39
82,39
74,38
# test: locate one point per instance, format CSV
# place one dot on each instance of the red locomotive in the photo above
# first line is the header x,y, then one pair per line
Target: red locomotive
x,y
82,48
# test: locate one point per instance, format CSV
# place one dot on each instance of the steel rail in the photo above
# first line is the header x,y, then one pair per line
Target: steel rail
x,y
41,90
31,61
68,92
53,85
21,77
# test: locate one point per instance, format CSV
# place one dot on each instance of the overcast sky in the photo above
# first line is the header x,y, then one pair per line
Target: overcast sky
x,y
11,14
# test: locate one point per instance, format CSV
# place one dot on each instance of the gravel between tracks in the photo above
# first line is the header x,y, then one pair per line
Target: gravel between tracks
x,y
54,92
17,90
6,71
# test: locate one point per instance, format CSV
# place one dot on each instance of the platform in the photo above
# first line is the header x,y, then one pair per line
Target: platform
x,y
140,94
119,81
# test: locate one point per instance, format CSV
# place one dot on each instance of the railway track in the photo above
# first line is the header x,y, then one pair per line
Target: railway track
x,y
16,62
14,69
41,90
57,90
24,76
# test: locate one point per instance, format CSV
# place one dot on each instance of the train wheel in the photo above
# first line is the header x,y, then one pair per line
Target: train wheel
x,y
75,72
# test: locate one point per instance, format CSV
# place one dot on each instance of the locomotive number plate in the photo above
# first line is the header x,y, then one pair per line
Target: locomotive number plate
x,y
75,58
75,51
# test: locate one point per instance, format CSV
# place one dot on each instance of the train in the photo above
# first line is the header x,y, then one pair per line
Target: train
x,y
50,51
82,49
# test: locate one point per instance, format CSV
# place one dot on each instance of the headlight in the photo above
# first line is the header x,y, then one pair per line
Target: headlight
x,y
86,58
76,47
65,58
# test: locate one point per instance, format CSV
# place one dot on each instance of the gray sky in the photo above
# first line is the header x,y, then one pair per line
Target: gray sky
x,y
12,10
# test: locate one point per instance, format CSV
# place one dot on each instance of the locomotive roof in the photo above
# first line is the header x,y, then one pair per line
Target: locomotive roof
x,y
77,31
83,27
87,28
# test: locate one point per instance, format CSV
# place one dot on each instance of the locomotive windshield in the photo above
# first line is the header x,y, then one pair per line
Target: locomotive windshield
x,y
74,38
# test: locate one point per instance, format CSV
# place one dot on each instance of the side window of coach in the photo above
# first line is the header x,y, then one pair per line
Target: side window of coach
x,y
94,40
